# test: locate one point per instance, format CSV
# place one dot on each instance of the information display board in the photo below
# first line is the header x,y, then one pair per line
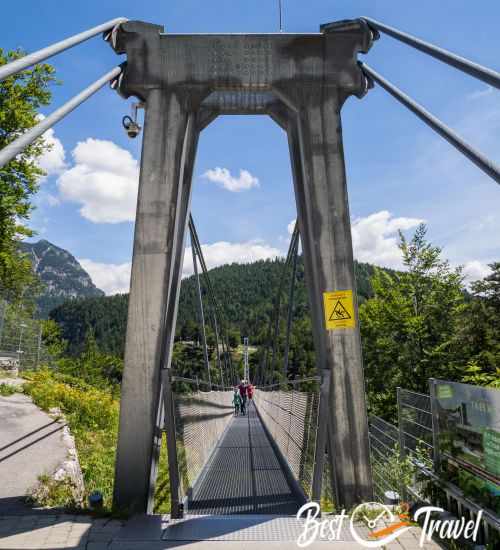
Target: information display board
x,y
468,430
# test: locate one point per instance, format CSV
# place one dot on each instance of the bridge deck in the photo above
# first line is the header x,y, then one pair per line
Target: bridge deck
x,y
244,475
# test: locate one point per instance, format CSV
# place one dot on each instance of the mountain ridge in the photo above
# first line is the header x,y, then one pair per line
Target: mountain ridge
x,y
61,275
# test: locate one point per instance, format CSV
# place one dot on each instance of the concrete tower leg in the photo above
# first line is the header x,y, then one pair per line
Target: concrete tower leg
x,y
325,229
163,204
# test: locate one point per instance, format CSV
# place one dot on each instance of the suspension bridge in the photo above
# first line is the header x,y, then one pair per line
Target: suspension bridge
x,y
302,439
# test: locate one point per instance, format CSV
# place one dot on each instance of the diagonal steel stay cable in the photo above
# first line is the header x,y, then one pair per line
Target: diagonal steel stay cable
x,y
273,339
217,309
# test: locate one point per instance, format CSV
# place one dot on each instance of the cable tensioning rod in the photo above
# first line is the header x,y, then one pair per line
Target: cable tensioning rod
x,y
489,76
41,55
485,164
17,146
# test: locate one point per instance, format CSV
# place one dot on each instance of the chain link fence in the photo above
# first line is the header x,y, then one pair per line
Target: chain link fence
x,y
21,345
290,414
201,417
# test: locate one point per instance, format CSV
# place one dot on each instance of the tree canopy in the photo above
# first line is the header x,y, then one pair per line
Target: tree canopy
x,y
21,96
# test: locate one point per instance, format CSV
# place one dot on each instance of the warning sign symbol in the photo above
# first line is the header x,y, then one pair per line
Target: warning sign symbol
x,y
339,310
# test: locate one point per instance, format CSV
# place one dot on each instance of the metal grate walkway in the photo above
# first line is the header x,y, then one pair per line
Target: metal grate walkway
x,y
244,475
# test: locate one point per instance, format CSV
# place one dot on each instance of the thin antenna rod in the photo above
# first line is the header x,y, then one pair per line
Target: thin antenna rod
x,y
281,17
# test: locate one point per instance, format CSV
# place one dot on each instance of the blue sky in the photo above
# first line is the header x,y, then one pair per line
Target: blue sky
x,y
398,171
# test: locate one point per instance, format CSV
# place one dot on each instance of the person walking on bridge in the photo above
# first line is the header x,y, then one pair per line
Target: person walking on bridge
x,y
236,402
243,395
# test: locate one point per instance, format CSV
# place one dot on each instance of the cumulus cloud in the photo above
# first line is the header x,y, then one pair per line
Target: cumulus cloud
x,y
104,180
111,278
52,161
375,238
115,278
222,252
223,177
475,270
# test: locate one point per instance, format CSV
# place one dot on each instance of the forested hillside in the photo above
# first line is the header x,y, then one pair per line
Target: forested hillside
x,y
246,293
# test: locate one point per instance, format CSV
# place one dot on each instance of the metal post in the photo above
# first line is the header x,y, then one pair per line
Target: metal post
x,y
216,331
290,309
201,313
245,356
402,447
19,350
325,229
2,317
482,162
436,455
39,346
163,203
488,76
49,51
17,146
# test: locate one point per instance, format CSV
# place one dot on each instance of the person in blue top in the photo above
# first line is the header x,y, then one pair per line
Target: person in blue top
x,y
237,402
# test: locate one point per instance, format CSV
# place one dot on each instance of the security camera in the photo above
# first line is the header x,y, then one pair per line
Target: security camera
x,y
131,127
130,124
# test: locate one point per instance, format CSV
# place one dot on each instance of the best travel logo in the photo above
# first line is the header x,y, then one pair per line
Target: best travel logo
x,y
384,526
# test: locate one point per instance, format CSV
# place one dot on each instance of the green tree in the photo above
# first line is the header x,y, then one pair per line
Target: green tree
x,y
409,328
21,96
480,332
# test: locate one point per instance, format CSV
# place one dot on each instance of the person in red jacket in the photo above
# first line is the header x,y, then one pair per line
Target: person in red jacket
x,y
250,390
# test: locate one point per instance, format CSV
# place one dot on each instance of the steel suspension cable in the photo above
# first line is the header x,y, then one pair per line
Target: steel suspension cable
x,y
274,319
215,304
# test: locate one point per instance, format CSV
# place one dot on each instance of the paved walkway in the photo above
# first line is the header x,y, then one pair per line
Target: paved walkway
x,y
244,475
45,531
31,444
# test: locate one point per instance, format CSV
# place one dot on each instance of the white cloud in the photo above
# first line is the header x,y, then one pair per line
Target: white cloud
x,y
104,180
52,161
475,270
223,177
223,252
115,278
290,227
375,238
112,278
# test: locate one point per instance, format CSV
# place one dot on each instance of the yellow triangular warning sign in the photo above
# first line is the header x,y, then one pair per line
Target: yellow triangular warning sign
x,y
339,312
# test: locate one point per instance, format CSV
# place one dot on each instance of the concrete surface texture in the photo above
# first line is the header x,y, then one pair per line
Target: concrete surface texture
x,y
31,444
70,532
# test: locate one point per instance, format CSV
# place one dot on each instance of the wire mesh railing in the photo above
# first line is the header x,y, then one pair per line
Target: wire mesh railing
x,y
415,422
21,344
290,413
201,417
384,445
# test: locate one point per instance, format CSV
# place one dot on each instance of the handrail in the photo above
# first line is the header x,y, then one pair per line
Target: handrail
x,y
43,54
14,148
489,76
482,162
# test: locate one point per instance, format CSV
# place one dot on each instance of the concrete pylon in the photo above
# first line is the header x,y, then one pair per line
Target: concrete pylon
x,y
186,81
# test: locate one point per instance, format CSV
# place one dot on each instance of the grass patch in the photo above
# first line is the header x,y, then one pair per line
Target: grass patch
x,y
92,415
8,389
